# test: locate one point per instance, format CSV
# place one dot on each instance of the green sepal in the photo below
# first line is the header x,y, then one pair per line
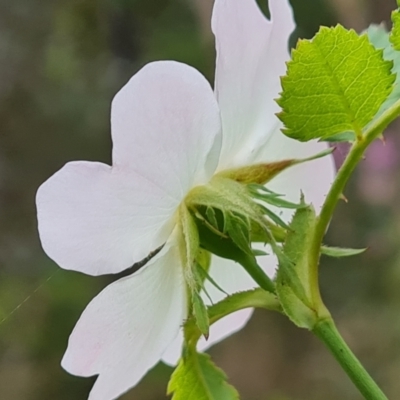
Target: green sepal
x,y
226,205
206,276
192,259
274,217
261,234
225,247
225,195
260,192
328,90
189,245
292,283
211,217
257,173
262,173
203,260
200,314
289,276
339,252
238,227
258,253
198,378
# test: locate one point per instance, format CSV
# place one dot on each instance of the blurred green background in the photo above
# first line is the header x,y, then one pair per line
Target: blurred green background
x,y
61,62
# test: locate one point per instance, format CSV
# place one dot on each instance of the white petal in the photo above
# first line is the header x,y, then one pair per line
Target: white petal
x,y
232,278
251,56
165,122
97,219
124,331
166,130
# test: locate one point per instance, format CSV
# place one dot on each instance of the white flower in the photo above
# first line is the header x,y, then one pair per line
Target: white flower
x,y
170,132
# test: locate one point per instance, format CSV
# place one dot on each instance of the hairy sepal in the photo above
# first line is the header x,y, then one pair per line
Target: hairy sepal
x,y
226,195
262,173
190,252
293,277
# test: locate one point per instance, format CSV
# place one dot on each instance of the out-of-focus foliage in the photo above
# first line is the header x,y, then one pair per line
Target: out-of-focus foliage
x,y
379,37
61,62
395,34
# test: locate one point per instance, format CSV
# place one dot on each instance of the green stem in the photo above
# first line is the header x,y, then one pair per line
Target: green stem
x,y
370,134
249,263
255,298
330,336
355,155
325,328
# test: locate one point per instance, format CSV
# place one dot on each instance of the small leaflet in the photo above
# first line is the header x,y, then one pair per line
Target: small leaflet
x,y
339,252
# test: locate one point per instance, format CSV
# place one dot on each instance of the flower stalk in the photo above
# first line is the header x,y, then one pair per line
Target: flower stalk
x,y
325,328
373,131
327,332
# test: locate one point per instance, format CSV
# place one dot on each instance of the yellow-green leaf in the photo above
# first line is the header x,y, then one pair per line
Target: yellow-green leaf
x,y
197,378
335,83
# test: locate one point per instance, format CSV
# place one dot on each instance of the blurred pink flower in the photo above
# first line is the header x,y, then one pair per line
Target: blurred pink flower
x,y
377,179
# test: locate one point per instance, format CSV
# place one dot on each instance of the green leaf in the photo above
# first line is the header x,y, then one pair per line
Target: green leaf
x,y
292,283
335,83
339,252
379,37
197,378
395,34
